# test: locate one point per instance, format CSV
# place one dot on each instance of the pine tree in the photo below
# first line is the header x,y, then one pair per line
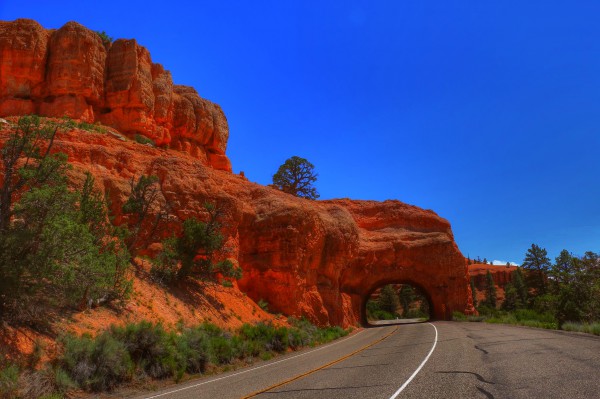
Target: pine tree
x,y
519,283
511,298
490,292
388,299
537,264
407,296
473,292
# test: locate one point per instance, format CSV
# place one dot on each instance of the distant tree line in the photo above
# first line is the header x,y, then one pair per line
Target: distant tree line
x,y
568,288
404,302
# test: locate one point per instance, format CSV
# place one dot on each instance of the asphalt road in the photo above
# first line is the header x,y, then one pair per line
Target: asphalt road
x,y
467,360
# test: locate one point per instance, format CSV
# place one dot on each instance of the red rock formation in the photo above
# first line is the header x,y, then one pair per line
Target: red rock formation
x,y
70,72
319,259
502,275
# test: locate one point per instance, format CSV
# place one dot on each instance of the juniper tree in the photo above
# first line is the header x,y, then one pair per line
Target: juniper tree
x,y
56,245
296,176
197,252
146,210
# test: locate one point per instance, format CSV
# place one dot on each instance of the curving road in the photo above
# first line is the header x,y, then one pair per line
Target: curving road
x,y
424,360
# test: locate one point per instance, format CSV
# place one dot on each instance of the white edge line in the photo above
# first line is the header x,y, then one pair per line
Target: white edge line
x,y
395,395
255,368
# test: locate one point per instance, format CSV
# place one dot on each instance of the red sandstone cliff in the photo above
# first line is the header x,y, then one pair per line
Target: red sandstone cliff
x,y
71,72
502,275
320,259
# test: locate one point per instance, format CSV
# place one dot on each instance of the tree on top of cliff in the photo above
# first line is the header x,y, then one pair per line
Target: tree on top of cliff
x,y
296,176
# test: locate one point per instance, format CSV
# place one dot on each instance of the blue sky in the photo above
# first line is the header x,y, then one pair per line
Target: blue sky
x,y
486,113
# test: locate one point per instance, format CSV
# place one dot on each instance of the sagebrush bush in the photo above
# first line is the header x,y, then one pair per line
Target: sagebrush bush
x,y
97,364
221,349
151,348
148,350
45,383
9,381
193,346
270,337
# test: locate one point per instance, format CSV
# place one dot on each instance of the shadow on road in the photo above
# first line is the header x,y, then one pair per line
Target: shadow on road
x,y
396,322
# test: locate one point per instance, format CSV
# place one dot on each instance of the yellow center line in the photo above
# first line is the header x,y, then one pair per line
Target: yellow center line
x,y
319,368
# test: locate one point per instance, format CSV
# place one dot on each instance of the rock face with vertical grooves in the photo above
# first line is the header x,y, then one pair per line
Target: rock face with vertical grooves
x,y
72,72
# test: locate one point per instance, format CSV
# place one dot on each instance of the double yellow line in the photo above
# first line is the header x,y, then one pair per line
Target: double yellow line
x,y
341,359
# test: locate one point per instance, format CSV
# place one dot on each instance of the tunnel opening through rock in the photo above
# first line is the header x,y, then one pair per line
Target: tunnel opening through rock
x,y
397,302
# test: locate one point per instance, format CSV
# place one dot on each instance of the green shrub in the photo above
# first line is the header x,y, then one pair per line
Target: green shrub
x,y
309,334
328,334
144,140
264,305
458,316
69,124
151,348
270,337
528,314
45,383
227,284
221,349
523,317
244,348
96,364
9,379
193,345
382,315
589,328
104,37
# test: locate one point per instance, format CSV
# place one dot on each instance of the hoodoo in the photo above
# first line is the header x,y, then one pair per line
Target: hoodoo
x,y
319,259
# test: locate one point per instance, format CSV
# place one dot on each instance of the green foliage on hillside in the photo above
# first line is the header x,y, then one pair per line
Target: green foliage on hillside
x,y
197,252
57,246
146,211
68,124
144,140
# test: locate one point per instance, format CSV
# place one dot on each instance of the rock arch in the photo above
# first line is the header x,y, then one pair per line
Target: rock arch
x,y
322,259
